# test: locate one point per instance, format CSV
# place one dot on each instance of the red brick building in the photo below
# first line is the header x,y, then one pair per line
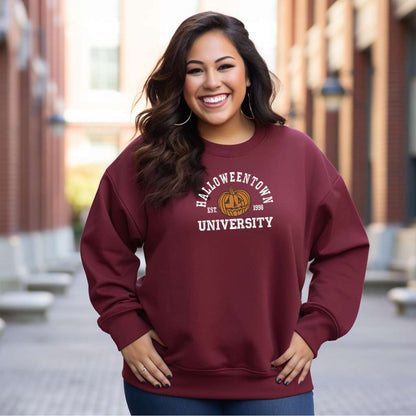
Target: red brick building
x,y
371,139
34,217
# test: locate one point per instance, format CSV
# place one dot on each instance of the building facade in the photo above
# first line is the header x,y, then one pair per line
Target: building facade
x,y
34,216
370,47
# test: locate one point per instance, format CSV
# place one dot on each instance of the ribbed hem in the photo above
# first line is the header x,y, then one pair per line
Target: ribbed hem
x,y
126,328
236,384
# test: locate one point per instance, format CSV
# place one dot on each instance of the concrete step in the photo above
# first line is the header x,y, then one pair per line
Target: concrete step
x,y
25,306
381,281
404,299
56,283
404,256
69,264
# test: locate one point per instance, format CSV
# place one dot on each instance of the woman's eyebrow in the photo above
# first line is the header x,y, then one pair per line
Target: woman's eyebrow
x,y
194,61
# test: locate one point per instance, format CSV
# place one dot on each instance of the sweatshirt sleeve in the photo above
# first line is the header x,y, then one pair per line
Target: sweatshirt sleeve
x,y
108,247
339,250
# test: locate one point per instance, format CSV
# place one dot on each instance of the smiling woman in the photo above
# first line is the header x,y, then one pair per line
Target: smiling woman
x,y
201,88
215,87
230,206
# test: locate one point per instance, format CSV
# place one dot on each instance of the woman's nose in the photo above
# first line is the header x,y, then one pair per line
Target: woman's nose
x,y
212,80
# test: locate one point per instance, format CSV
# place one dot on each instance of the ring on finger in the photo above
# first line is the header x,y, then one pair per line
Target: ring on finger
x,y
144,369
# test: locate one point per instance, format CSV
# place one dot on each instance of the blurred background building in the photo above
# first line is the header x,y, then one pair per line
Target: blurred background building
x,y
35,227
366,50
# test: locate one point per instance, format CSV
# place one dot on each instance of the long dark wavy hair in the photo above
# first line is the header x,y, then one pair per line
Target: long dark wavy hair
x,y
169,157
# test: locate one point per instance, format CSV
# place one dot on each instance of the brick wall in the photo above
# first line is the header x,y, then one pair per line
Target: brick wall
x,y
31,160
361,126
9,143
396,129
378,119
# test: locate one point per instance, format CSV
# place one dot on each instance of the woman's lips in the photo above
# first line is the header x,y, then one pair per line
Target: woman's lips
x,y
213,101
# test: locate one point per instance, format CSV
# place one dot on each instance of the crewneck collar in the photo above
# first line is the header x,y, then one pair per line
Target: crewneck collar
x,y
232,150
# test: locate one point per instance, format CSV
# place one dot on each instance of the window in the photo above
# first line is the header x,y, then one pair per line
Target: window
x,y
103,29
104,64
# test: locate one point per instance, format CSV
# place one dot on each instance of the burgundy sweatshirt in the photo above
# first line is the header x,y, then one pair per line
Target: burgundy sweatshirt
x,y
225,268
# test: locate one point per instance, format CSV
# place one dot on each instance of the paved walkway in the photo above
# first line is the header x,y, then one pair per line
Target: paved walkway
x,y
67,366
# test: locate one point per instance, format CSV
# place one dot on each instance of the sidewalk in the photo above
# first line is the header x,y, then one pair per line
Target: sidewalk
x,y
372,370
67,366
64,366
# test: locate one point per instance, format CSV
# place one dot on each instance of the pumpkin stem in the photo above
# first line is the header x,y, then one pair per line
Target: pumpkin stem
x,y
232,190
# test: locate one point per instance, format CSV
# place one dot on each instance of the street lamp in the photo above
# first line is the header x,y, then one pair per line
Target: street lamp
x,y
57,124
332,91
292,114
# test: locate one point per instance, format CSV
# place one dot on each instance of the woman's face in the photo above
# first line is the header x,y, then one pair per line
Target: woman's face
x,y
215,82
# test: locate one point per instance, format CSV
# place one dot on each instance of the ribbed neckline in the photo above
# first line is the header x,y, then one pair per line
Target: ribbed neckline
x,y
232,150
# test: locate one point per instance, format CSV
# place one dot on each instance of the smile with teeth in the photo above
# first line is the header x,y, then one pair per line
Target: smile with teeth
x,y
215,99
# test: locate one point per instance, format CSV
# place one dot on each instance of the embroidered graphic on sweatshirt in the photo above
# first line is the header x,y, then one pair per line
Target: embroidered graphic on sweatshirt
x,y
233,194
234,203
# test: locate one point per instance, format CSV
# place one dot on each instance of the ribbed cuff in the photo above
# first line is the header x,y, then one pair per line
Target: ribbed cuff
x,y
315,328
126,328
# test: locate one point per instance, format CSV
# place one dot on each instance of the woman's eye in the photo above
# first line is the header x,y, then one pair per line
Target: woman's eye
x,y
225,66
194,71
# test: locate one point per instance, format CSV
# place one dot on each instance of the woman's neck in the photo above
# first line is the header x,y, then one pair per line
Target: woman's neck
x,y
234,133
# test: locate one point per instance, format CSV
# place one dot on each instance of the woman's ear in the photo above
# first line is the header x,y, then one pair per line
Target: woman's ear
x,y
248,82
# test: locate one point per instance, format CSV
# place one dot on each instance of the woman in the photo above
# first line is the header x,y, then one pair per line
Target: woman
x,y
230,206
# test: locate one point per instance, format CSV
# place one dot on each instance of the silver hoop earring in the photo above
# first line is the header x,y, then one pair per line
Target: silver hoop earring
x,y
181,124
251,117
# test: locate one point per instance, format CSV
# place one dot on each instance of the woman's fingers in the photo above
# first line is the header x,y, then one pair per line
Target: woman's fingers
x,y
305,372
161,365
298,358
145,362
146,371
286,356
136,372
291,370
154,376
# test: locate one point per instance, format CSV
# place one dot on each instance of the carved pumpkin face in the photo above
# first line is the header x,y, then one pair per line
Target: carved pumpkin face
x,y
234,203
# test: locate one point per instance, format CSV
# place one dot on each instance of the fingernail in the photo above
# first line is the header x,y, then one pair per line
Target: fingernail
x,y
272,365
169,377
157,386
167,386
301,382
143,382
279,380
287,383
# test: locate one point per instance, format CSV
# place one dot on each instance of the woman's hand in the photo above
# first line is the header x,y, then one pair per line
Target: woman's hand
x,y
298,358
145,362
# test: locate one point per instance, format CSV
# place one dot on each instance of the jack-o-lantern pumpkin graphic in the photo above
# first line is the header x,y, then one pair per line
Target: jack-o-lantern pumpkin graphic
x,y
234,203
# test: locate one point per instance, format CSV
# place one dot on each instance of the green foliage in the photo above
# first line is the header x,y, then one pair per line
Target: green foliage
x,y
81,185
